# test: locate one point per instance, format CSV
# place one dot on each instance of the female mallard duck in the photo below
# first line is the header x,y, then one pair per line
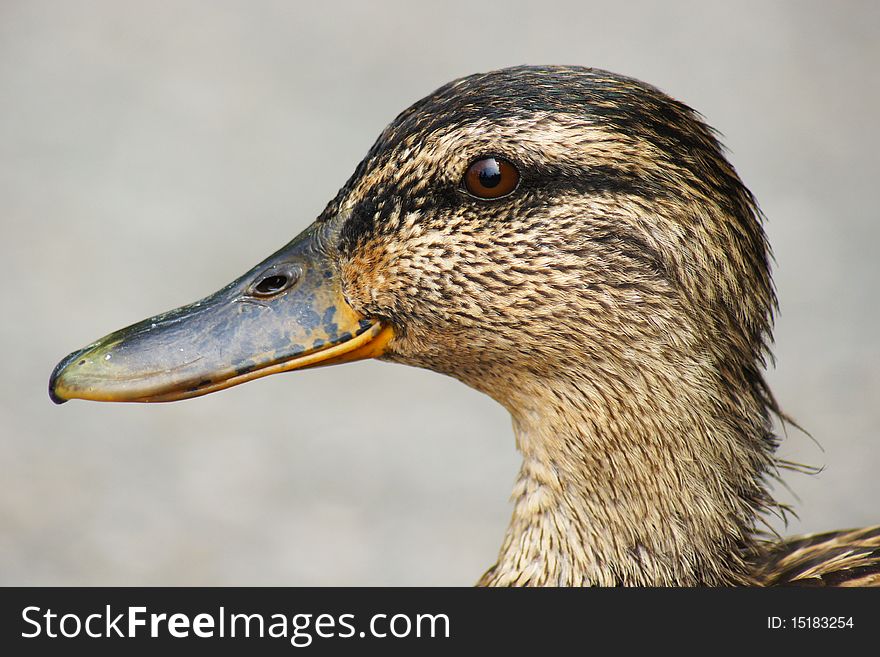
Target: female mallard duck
x,y
574,244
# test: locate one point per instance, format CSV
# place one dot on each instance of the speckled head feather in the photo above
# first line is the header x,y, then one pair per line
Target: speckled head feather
x,y
618,303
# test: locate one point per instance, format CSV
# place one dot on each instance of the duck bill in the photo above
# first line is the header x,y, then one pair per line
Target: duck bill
x,y
287,313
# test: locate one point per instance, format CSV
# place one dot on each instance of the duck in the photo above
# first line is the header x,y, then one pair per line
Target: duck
x,y
575,244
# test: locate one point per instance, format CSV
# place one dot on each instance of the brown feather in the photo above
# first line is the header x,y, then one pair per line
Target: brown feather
x,y
841,558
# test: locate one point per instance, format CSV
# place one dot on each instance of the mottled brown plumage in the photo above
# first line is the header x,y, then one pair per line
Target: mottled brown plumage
x,y
618,304
844,558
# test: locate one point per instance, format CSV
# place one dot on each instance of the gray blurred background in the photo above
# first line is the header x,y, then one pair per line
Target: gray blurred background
x,y
151,152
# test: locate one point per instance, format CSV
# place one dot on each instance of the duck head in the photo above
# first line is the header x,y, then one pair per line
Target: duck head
x,y
572,243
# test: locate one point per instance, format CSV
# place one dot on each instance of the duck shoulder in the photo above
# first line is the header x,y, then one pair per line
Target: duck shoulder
x,y
840,558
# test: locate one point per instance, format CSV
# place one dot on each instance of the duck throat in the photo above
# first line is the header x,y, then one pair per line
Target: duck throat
x,y
640,489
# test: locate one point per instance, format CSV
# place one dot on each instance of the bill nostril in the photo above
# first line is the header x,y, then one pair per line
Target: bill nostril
x,y
275,280
271,284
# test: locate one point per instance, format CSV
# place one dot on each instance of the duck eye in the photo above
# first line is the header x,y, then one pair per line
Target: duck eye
x,y
490,178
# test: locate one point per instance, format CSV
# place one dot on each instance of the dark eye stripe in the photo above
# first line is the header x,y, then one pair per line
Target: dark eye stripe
x,y
539,182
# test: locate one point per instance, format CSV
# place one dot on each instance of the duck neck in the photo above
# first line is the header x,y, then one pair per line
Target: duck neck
x,y
636,488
